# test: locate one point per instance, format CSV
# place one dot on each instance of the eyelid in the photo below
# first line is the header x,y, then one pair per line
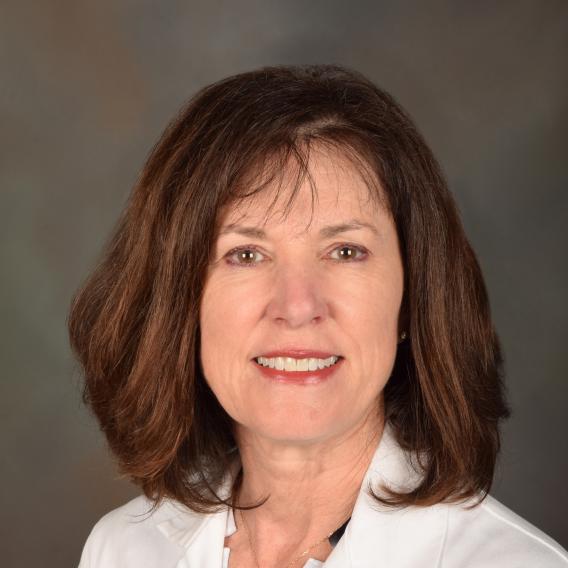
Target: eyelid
x,y
364,253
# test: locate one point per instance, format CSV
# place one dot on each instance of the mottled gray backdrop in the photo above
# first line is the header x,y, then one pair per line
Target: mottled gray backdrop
x,y
87,87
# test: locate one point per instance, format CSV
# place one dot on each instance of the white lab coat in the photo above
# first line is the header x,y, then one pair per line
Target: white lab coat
x,y
441,536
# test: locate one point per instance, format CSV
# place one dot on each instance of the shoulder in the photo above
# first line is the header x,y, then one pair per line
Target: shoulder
x,y
490,534
131,536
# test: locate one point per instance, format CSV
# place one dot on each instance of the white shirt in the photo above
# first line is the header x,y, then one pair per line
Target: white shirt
x,y
440,536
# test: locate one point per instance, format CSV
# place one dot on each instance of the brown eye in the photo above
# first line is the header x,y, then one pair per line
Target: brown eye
x,y
349,253
242,256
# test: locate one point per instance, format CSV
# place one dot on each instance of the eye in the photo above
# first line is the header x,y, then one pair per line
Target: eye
x,y
348,253
248,256
242,256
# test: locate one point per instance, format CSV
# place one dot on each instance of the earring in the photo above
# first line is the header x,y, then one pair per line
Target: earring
x,y
402,336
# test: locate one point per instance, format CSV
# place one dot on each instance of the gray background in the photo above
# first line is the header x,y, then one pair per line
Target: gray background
x,y
87,87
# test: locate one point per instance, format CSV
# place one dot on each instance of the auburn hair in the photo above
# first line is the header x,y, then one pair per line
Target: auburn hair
x,y
134,325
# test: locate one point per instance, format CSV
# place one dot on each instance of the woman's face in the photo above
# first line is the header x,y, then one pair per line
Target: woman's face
x,y
299,288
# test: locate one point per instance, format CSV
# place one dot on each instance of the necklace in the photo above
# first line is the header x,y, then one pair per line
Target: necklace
x,y
290,564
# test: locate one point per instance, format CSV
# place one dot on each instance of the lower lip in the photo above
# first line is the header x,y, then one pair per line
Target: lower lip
x,y
299,377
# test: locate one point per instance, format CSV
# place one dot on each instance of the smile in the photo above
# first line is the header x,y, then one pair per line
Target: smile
x,y
298,376
293,365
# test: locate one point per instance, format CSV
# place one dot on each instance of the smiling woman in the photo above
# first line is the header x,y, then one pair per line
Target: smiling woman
x,y
289,347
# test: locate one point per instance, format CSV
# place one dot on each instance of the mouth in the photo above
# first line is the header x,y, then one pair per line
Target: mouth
x,y
295,364
287,370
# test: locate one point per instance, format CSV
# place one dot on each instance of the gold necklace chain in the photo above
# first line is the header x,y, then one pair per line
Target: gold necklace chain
x,y
290,564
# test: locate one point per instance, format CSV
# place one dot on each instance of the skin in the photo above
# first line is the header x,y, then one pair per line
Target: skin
x,y
308,447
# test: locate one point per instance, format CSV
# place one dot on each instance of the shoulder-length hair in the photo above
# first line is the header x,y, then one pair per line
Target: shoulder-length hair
x,y
134,325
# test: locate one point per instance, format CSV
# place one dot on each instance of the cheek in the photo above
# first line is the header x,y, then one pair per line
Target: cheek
x,y
229,300
373,323
225,323
372,304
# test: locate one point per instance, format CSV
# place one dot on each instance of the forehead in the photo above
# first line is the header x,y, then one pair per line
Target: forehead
x,y
322,185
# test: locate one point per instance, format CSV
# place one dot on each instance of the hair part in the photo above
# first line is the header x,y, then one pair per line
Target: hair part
x,y
134,325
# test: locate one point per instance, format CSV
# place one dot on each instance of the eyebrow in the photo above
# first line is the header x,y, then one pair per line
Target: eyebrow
x,y
325,232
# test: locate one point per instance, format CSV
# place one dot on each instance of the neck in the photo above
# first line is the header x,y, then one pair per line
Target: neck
x,y
312,486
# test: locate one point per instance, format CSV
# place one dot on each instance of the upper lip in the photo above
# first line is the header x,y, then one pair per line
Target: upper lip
x,y
298,354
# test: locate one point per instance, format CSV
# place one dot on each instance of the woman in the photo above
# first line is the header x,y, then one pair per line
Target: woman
x,y
288,344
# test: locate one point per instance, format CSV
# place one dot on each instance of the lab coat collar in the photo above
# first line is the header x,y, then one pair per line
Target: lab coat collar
x,y
400,538
200,537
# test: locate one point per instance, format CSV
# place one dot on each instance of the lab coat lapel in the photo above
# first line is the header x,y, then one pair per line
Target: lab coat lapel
x,y
398,539
394,538
200,538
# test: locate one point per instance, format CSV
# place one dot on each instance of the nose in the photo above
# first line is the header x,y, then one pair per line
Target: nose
x,y
298,297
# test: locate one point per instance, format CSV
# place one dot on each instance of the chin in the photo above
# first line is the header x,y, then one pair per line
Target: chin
x,y
294,429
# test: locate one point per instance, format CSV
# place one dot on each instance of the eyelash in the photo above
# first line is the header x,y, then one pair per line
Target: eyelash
x,y
255,249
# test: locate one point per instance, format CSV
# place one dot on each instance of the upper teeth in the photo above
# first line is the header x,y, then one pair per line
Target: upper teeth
x,y
291,364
